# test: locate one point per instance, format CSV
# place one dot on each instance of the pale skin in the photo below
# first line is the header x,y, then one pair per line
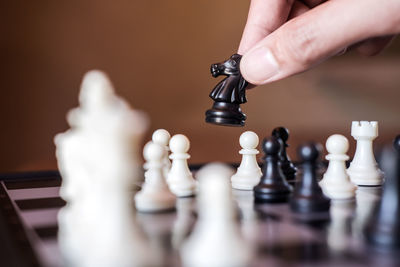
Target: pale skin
x,y
285,37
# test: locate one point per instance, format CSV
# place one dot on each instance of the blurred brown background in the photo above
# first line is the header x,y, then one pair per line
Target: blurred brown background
x,y
158,54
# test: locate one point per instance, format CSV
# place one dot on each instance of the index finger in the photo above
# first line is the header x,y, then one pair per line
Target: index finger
x,y
265,16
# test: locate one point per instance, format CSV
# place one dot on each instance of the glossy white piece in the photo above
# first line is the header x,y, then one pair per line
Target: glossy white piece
x,y
248,173
215,240
162,137
180,178
336,182
99,162
155,195
363,169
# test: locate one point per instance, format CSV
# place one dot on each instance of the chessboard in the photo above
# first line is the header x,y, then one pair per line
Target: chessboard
x,y
30,202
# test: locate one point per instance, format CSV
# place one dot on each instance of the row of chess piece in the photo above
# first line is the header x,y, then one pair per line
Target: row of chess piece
x,y
277,181
273,183
309,194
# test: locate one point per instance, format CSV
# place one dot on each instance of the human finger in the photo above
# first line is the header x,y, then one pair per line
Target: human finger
x,y
316,35
264,17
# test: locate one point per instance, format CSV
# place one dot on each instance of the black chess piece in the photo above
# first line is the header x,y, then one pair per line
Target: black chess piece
x,y
288,168
228,94
384,228
307,196
273,186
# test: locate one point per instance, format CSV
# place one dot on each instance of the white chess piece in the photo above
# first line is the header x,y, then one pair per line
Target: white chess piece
x,y
162,137
180,179
336,183
249,173
215,240
363,169
155,194
98,161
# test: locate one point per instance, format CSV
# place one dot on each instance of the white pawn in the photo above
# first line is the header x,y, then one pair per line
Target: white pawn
x,y
336,183
215,240
363,169
180,179
249,173
155,195
161,137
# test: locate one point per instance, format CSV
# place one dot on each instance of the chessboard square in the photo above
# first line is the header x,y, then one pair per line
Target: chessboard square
x,y
32,193
40,218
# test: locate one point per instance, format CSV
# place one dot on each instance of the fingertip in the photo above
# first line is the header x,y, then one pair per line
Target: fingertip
x,y
259,65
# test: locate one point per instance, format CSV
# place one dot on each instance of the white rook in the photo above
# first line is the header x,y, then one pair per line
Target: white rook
x,y
363,169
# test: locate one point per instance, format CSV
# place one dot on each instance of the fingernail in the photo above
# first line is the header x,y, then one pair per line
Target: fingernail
x,y
259,65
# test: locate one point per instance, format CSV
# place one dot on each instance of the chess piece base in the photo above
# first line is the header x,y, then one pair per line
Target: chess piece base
x,y
246,182
271,195
228,114
338,191
184,190
155,202
366,177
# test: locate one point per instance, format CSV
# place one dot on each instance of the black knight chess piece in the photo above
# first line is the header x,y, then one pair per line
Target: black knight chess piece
x,y
228,94
289,170
273,186
307,196
384,228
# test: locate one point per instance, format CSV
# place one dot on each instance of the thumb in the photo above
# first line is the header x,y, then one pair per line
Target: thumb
x,y
317,35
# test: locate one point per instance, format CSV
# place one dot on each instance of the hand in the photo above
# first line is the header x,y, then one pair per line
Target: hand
x,y
285,37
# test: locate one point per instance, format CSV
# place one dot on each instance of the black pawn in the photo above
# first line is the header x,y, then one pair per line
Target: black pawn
x,y
289,170
384,227
273,186
307,196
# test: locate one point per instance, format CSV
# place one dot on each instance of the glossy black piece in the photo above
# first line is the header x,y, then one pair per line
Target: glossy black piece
x,y
288,168
273,186
307,196
228,94
384,227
